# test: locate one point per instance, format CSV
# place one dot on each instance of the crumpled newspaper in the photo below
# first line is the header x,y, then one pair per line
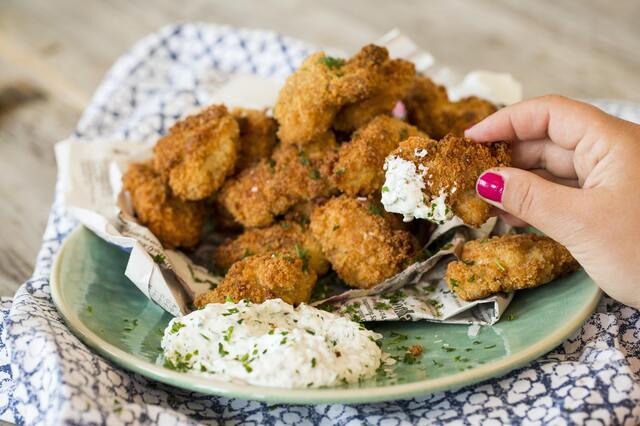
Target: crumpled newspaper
x,y
90,179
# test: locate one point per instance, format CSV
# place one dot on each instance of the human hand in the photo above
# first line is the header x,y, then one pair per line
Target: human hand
x,y
576,177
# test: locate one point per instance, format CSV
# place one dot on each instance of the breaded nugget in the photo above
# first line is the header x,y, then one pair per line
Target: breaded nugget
x,y
257,136
198,153
360,241
507,263
259,278
303,173
268,189
251,198
359,169
313,95
283,238
176,223
448,170
397,79
429,108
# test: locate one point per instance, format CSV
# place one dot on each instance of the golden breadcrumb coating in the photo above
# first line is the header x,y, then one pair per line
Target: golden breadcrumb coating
x,y
259,278
507,263
361,241
268,189
303,173
452,166
283,238
257,136
359,169
198,153
313,95
429,108
250,197
176,223
397,79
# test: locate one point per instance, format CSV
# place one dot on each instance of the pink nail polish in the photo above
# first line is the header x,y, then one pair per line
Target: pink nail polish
x,y
490,186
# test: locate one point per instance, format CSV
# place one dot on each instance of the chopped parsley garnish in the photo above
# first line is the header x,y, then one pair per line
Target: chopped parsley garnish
x,y
490,347
283,341
472,278
230,311
313,333
373,209
314,174
158,258
272,165
313,363
331,62
384,189
247,253
90,309
468,262
229,334
500,265
336,227
382,305
340,172
304,256
204,337
454,283
228,299
302,157
511,317
448,349
176,327
404,132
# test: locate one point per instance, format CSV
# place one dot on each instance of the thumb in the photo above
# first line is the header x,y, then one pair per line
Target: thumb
x,y
557,210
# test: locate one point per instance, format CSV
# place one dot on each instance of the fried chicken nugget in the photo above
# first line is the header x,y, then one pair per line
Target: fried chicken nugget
x,y
429,108
507,263
257,136
198,153
360,241
262,192
447,171
359,169
175,222
250,197
284,238
259,278
397,79
303,173
312,96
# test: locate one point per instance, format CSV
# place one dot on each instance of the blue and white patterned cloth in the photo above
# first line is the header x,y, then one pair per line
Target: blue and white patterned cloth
x,y
47,376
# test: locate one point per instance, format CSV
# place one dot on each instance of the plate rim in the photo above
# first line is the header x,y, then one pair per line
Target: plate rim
x,y
207,386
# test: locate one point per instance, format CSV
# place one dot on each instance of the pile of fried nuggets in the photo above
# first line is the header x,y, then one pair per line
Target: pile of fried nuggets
x,y
302,188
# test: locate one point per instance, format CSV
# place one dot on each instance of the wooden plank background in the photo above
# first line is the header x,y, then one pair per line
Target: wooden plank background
x,y
54,53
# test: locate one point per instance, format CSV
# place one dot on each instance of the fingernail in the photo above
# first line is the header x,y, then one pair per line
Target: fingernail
x,y
490,186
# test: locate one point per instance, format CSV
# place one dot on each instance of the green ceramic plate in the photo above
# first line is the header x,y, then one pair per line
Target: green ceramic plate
x,y
94,297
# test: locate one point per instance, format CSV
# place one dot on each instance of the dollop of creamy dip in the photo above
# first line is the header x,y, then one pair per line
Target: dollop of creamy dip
x,y
271,344
403,193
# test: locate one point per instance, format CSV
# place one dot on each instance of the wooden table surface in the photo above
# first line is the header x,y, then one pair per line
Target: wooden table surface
x,y
53,54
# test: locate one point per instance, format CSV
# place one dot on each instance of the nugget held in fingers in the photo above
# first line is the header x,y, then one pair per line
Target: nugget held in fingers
x,y
359,169
313,95
429,108
284,238
260,278
198,153
361,241
175,222
433,180
257,136
398,76
507,263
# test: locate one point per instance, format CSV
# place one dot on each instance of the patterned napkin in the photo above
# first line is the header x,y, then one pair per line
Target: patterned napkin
x,y
47,376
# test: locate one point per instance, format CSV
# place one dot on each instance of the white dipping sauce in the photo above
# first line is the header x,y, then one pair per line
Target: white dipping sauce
x,y
271,344
402,193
